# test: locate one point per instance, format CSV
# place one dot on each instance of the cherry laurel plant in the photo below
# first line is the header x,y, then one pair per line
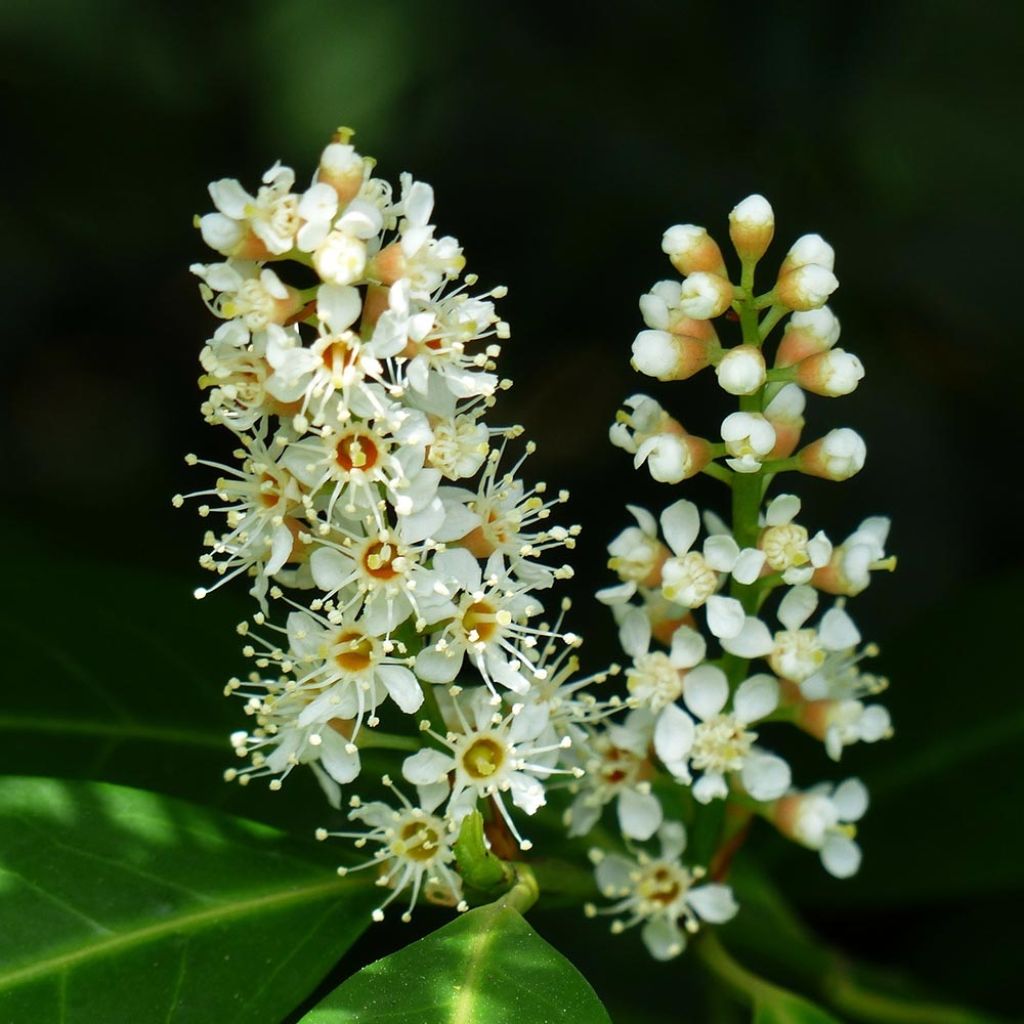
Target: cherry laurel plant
x,y
400,564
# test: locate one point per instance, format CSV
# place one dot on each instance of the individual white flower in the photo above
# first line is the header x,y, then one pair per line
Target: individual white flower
x,y
704,296
660,893
670,356
492,755
741,370
414,848
719,743
655,679
271,215
786,545
340,258
636,557
838,455
822,819
806,287
489,620
691,578
749,438
845,722
618,768
795,652
863,552
278,743
239,289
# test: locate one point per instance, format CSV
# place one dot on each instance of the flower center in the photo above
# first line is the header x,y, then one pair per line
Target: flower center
x,y
357,451
620,768
480,622
785,546
378,560
418,839
484,757
355,651
797,655
655,680
689,580
337,356
720,744
662,884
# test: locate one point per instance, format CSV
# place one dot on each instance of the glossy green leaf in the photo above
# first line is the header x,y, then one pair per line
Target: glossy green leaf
x,y
487,967
119,905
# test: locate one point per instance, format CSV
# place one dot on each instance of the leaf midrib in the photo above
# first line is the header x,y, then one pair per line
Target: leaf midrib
x,y
193,921
112,730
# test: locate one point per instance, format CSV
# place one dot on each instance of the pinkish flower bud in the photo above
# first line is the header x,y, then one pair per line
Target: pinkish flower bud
x,y
751,227
807,333
838,455
832,373
691,250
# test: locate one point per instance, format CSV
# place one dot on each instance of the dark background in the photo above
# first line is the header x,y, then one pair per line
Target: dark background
x,y
561,140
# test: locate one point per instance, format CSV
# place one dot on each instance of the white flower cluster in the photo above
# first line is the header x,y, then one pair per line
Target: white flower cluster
x,y
372,502
710,669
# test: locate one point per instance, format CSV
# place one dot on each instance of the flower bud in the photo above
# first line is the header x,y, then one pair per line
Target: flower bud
x,y
672,458
691,249
741,370
751,227
831,373
749,438
343,169
704,296
807,333
806,287
785,412
809,249
670,356
340,258
838,455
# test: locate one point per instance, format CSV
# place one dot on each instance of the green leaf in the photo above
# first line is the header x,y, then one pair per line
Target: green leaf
x,y
119,905
487,967
779,1007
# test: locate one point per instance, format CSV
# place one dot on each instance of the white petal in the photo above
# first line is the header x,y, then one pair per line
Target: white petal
x,y
436,666
663,938
851,800
725,616
765,776
341,765
841,856
584,814
721,552
673,734
672,836
644,520
639,814
838,631
754,640
527,792
748,566
458,564
426,767
713,902
783,509
756,698
338,306
614,875
688,648
705,691
797,606
680,523
432,796
402,686
710,786
331,569
635,633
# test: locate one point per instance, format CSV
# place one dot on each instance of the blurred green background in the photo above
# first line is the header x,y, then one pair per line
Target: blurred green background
x,y
561,140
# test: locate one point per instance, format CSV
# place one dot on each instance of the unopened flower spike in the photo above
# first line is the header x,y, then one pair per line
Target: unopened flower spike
x,y
733,638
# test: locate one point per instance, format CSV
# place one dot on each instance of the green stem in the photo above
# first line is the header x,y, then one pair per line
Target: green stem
x,y
747,985
848,997
387,740
772,317
719,473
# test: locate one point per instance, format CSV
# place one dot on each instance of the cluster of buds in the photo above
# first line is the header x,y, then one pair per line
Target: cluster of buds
x,y
374,510
710,672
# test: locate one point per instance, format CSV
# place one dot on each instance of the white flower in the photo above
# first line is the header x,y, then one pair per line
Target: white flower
x,y
786,545
832,373
637,556
822,819
491,756
806,287
618,769
749,438
720,743
808,249
741,370
660,894
668,356
838,455
692,250
851,565
704,296
271,215
340,258
414,848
